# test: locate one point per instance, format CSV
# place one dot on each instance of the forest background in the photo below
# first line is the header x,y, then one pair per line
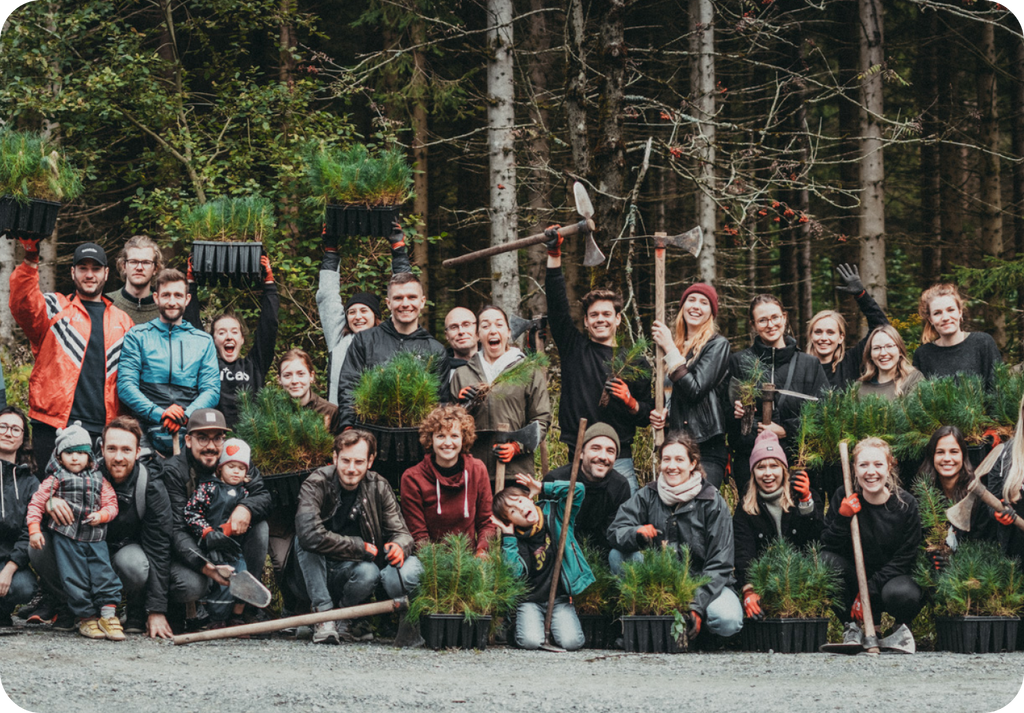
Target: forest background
x,y
797,133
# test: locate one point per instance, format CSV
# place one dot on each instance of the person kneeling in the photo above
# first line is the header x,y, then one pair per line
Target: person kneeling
x,y
350,535
530,534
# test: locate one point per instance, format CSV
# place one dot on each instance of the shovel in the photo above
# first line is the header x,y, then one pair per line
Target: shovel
x,y
408,636
241,585
528,437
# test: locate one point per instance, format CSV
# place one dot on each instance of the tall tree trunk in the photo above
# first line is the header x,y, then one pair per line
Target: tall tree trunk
x,y
988,168
287,43
420,138
7,266
872,169
702,91
501,150
576,60
951,169
1018,174
930,185
847,52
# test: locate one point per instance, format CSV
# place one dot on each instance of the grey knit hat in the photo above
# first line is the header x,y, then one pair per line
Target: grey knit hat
x,y
74,439
602,429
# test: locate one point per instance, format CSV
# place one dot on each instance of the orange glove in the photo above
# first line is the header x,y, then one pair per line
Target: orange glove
x,y
695,621
752,605
265,264
506,451
802,485
618,389
190,275
554,240
371,549
849,506
648,532
394,554
857,611
1006,516
31,246
173,418
467,394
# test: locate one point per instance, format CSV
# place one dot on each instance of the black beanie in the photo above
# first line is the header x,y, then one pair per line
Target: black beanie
x,y
364,298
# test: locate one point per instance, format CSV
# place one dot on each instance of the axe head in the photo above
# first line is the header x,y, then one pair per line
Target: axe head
x,y
959,515
519,326
691,241
593,255
583,205
528,436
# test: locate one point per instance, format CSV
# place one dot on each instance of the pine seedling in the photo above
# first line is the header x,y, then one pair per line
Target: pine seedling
x,y
1005,399
519,375
792,583
628,365
659,584
599,597
33,167
284,437
242,218
749,389
399,393
953,400
978,581
355,176
932,504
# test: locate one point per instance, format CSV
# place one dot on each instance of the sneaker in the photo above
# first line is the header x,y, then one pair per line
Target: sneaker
x,y
342,627
90,628
852,633
64,620
326,632
45,613
27,610
134,624
111,627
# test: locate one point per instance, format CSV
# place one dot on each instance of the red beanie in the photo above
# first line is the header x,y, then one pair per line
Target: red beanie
x,y
702,288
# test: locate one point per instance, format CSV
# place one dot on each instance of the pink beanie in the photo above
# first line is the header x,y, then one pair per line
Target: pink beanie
x,y
702,288
767,446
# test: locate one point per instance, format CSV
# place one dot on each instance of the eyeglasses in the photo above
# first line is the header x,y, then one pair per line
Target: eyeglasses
x,y
204,440
139,263
13,430
461,326
878,348
765,321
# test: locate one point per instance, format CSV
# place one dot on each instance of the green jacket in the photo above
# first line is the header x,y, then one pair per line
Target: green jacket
x,y
575,571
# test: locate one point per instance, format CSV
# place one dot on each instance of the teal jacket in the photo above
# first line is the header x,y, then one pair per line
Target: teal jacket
x,y
575,571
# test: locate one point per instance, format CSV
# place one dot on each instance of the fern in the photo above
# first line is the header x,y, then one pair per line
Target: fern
x,y
399,393
284,437
660,584
791,583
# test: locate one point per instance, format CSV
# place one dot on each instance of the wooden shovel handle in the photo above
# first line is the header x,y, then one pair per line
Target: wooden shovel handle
x,y
659,314
564,231
858,552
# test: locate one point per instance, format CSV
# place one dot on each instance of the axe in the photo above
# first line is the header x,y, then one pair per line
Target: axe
x,y
584,207
242,585
528,437
520,326
960,514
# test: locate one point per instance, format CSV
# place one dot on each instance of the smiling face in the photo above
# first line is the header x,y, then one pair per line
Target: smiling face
x,y
945,315
768,475
871,467
601,322
885,353
12,436
205,445
120,451
232,473
770,324
405,301
352,463
295,378
171,299
522,512
494,333
598,457
676,464
447,444
360,318
696,310
826,337
949,458
460,329
89,278
228,338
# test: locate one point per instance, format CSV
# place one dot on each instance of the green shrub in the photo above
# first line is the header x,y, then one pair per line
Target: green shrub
x,y
33,167
932,504
844,416
1004,400
399,393
242,218
978,581
792,583
599,597
659,584
357,176
958,401
284,436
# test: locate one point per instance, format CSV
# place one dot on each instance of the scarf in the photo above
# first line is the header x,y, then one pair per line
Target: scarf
x,y
771,503
506,360
530,532
682,493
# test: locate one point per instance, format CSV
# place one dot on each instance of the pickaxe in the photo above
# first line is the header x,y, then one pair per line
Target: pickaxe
x,y
960,514
528,438
584,207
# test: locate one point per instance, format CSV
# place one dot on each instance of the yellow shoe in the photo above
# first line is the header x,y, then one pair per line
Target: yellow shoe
x,y
111,628
90,628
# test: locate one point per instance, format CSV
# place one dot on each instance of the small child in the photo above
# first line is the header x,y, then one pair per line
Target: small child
x,y
207,515
83,560
530,545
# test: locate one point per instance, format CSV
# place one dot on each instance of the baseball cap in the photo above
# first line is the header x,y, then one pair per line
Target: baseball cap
x,y
207,419
90,251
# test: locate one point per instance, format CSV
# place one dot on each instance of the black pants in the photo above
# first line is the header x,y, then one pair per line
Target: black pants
x,y
714,456
900,596
44,436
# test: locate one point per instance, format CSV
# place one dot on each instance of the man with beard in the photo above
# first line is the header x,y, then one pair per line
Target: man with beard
x,y
139,538
76,341
139,261
168,367
197,462
606,488
460,330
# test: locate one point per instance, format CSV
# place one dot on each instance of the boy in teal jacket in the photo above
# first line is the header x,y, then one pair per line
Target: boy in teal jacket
x,y
530,545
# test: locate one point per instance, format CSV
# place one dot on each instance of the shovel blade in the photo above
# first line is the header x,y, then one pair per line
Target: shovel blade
x,y
593,255
583,205
250,590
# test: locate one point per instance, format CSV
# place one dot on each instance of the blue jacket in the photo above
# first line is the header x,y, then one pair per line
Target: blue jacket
x,y
576,573
163,365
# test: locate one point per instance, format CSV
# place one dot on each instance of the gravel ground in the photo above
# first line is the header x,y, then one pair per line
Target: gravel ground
x,y
44,671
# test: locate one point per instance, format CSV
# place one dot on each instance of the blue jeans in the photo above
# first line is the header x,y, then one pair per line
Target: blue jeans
x,y
87,575
625,467
23,588
616,559
565,625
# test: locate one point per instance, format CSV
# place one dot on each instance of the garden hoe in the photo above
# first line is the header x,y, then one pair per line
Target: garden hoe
x,y
592,257
528,438
242,585
960,514
549,643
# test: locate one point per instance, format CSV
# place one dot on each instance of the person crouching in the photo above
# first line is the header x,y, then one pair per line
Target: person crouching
x,y
83,560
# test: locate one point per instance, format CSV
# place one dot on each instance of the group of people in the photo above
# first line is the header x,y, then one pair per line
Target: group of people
x,y
100,501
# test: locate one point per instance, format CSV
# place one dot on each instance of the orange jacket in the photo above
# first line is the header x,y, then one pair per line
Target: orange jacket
x,y
58,330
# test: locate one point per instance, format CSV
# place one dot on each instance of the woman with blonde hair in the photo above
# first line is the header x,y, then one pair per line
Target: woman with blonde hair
x,y
946,348
1006,482
826,332
887,372
697,361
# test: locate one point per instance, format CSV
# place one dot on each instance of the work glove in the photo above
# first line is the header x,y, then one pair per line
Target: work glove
x,y
397,237
802,486
190,274
1006,516
371,549
849,506
394,554
31,246
619,389
268,274
857,611
648,532
467,394
939,560
173,418
330,241
217,541
506,451
694,628
752,605
554,240
850,275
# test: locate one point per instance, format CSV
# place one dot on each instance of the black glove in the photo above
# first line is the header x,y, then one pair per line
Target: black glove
x,y
330,261
397,238
939,560
554,239
219,543
850,274
330,240
467,395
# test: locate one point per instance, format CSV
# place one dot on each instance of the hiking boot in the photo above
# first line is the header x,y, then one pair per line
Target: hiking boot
x,y
90,628
326,632
111,627
64,620
852,634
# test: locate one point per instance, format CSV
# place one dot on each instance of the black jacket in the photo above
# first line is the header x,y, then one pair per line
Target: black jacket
x,y
703,525
152,532
1010,538
376,346
697,391
753,533
584,365
181,474
17,485
849,369
250,372
599,508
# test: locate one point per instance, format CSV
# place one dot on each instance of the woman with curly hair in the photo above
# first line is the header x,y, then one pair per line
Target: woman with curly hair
x,y
448,491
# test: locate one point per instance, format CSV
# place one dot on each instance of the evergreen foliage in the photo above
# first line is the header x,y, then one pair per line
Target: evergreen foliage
x,y
932,504
978,581
399,393
32,167
356,176
947,401
627,364
455,581
793,584
599,597
749,391
844,415
284,437
519,375
1004,400
242,218
659,584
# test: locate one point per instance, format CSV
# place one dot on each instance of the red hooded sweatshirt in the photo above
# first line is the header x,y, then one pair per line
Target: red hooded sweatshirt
x,y
434,505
